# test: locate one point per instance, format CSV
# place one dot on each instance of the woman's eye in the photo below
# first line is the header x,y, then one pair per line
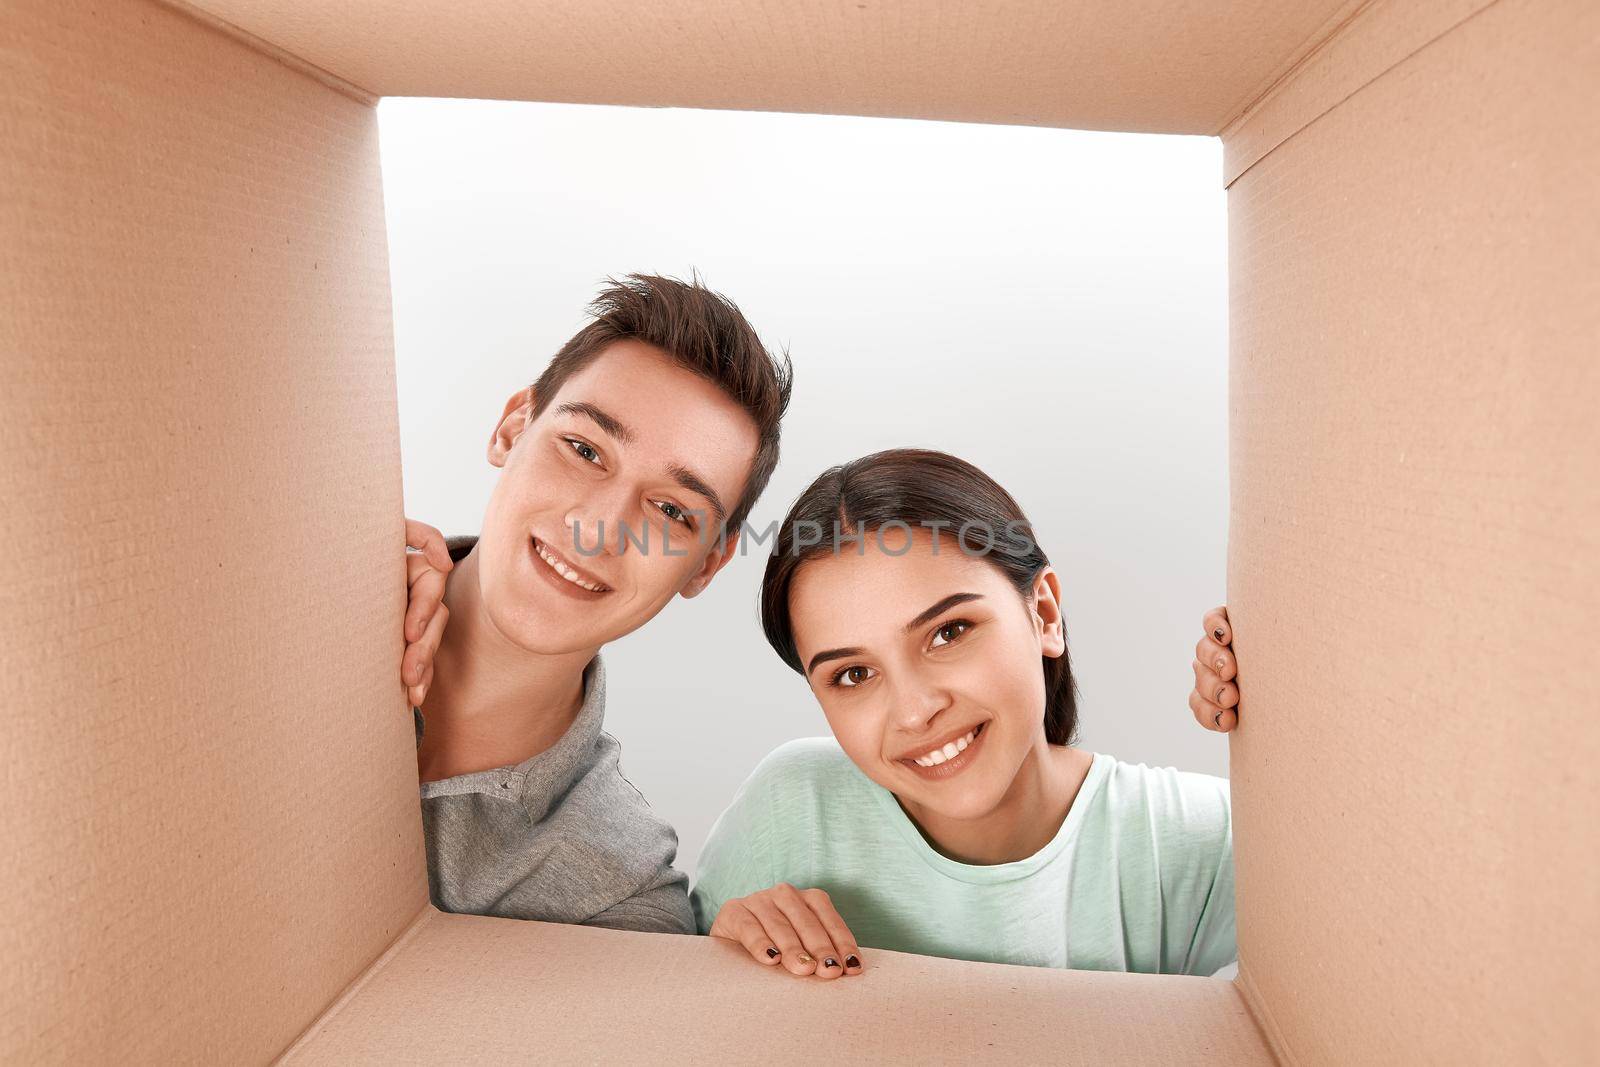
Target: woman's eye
x,y
584,449
950,631
851,677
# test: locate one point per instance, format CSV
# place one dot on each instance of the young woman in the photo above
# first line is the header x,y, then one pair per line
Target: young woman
x,y
950,814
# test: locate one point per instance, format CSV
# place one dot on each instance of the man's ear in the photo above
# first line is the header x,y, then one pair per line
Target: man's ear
x,y
716,559
1048,621
513,420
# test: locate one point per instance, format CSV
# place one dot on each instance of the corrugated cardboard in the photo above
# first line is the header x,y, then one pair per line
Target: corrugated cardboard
x,y
1414,549
571,994
213,843
211,821
1170,66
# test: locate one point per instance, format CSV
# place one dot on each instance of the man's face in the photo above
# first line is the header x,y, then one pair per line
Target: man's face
x,y
610,502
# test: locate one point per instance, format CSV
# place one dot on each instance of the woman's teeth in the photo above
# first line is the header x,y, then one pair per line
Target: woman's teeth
x,y
948,752
565,571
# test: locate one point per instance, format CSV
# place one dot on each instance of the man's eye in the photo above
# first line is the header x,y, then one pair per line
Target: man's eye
x,y
584,449
673,511
950,631
851,677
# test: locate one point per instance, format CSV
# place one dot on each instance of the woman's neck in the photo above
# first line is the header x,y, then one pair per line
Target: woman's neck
x,y
491,703
1027,818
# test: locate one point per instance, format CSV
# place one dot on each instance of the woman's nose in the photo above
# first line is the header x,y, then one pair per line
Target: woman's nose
x,y
918,701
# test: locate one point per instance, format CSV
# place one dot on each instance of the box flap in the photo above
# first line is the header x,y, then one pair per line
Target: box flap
x,y
469,989
1173,66
1413,549
212,822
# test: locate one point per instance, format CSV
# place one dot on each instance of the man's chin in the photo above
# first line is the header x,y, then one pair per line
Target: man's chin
x,y
543,629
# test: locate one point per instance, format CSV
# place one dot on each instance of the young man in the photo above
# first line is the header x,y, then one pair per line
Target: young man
x,y
628,469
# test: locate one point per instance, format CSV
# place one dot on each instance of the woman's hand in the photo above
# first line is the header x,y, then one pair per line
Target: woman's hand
x,y
425,612
1216,688
797,929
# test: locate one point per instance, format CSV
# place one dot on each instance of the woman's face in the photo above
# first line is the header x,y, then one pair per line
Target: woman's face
x,y
932,651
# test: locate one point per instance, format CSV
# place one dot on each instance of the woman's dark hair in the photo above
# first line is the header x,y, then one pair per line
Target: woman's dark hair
x,y
910,487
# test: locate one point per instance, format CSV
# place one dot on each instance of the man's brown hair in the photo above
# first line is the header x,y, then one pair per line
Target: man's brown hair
x,y
701,331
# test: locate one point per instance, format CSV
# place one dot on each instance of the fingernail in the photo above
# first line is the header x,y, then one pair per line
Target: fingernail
x,y
830,962
1217,633
1219,694
1217,719
851,961
803,958
1221,663
772,953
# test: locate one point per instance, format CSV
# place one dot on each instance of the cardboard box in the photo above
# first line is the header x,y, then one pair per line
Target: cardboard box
x,y
212,841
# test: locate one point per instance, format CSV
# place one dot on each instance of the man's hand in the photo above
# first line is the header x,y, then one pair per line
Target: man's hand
x,y
425,613
797,929
1216,689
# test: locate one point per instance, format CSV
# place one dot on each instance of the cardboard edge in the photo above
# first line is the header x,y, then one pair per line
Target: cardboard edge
x,y
1270,1032
350,992
1374,39
274,52
1330,27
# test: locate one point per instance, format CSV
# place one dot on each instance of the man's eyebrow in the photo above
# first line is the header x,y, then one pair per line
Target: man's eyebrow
x,y
696,484
617,429
948,602
933,612
609,423
832,653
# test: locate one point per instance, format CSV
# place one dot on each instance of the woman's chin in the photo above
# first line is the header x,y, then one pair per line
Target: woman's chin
x,y
968,808
956,801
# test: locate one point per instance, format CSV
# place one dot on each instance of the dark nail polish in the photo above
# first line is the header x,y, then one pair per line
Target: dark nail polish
x,y
851,961
1217,633
772,953
830,962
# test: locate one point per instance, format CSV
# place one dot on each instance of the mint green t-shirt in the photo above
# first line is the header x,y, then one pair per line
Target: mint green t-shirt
x,y
1138,878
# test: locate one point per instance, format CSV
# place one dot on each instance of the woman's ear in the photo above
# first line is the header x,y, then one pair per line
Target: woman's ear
x,y
1048,620
513,420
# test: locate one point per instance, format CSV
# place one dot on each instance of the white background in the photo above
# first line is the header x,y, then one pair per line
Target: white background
x,y
1048,304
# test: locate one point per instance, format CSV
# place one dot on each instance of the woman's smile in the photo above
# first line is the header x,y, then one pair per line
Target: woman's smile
x,y
938,762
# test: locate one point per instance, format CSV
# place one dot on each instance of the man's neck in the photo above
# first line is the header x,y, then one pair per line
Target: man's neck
x,y
492,703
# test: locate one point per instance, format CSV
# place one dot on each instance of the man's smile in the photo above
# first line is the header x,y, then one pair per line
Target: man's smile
x,y
557,565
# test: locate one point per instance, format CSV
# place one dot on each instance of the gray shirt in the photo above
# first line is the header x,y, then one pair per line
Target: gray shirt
x,y
561,837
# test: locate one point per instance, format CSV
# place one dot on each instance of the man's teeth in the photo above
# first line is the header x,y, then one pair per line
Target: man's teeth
x,y
565,571
948,752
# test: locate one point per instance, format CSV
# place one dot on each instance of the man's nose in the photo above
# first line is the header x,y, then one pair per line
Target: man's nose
x,y
604,523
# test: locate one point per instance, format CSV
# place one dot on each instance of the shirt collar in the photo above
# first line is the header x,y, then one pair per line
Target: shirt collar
x,y
541,778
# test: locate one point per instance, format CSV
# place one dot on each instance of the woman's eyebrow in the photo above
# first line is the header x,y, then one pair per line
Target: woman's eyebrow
x,y
943,605
832,653
948,602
